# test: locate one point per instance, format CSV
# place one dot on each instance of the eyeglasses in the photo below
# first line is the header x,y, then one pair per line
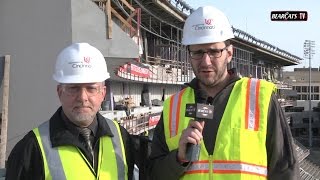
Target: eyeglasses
x,y
212,53
73,90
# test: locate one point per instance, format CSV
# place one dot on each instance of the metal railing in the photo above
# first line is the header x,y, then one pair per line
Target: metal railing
x,y
161,71
140,124
302,152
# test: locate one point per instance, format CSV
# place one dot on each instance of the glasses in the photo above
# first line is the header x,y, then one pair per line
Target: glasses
x,y
212,53
73,90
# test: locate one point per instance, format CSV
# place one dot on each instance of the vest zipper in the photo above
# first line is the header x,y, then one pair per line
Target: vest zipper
x,y
210,167
87,162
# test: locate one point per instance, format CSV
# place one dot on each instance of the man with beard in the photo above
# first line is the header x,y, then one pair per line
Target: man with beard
x,y
77,142
248,136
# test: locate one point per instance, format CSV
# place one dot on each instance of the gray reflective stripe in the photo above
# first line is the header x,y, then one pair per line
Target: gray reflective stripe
x,y
51,154
252,103
234,167
116,142
249,168
174,114
198,166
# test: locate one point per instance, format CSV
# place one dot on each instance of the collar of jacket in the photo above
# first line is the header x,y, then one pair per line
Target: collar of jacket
x,y
60,135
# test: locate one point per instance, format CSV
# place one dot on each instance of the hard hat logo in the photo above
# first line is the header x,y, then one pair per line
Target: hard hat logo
x,y
203,27
87,59
208,21
80,63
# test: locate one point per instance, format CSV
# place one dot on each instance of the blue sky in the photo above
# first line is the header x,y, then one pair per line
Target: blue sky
x,y
253,17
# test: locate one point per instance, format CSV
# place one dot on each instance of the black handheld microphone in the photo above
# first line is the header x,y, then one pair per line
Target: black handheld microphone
x,y
200,112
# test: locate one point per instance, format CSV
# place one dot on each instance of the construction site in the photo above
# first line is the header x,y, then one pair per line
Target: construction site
x,y
141,43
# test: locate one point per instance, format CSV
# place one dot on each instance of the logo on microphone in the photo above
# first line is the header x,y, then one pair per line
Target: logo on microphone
x,y
205,111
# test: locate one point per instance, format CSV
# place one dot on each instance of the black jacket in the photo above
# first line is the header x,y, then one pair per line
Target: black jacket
x,y
25,160
282,163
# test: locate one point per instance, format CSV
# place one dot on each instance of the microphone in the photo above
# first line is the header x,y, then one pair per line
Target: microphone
x,y
200,111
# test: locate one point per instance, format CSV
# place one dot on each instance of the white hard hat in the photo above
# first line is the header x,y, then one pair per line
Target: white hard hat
x,y
80,63
206,25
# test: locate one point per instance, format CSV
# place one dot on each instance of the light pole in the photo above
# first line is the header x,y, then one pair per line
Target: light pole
x,y
308,53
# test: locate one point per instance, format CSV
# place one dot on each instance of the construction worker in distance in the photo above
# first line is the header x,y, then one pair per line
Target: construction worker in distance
x,y
248,136
76,142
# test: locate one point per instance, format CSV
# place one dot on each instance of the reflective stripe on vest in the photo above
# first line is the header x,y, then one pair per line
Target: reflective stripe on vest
x,y
222,167
119,150
252,104
53,162
174,116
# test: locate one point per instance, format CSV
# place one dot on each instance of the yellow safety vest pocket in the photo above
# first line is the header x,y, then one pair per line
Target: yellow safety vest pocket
x,y
247,139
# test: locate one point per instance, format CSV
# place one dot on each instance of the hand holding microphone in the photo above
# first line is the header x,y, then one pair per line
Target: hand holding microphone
x,y
189,144
192,135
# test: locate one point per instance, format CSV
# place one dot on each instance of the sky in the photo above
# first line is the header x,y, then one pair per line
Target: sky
x,y
253,17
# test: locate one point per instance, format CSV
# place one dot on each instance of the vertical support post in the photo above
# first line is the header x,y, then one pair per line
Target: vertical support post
x,y
4,117
308,53
109,20
310,115
138,29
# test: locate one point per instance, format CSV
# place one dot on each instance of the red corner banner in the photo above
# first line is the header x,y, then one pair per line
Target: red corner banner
x,y
153,120
139,71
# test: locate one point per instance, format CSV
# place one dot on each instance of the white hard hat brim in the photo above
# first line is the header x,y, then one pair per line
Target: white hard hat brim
x,y
74,79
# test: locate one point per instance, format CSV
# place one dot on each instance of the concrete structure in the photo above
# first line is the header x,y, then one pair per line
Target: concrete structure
x,y
299,80
305,104
33,32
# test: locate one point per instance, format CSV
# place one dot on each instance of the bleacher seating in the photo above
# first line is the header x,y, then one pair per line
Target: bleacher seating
x,y
308,170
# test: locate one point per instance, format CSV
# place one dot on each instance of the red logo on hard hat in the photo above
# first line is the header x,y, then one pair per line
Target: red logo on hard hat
x,y
208,21
86,59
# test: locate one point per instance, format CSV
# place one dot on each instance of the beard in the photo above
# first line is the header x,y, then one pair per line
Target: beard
x,y
215,77
82,117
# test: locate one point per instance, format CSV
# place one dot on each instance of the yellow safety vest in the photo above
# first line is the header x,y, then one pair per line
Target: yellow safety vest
x,y
68,163
240,148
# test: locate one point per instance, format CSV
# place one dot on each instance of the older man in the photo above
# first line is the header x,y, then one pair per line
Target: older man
x,y
77,142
